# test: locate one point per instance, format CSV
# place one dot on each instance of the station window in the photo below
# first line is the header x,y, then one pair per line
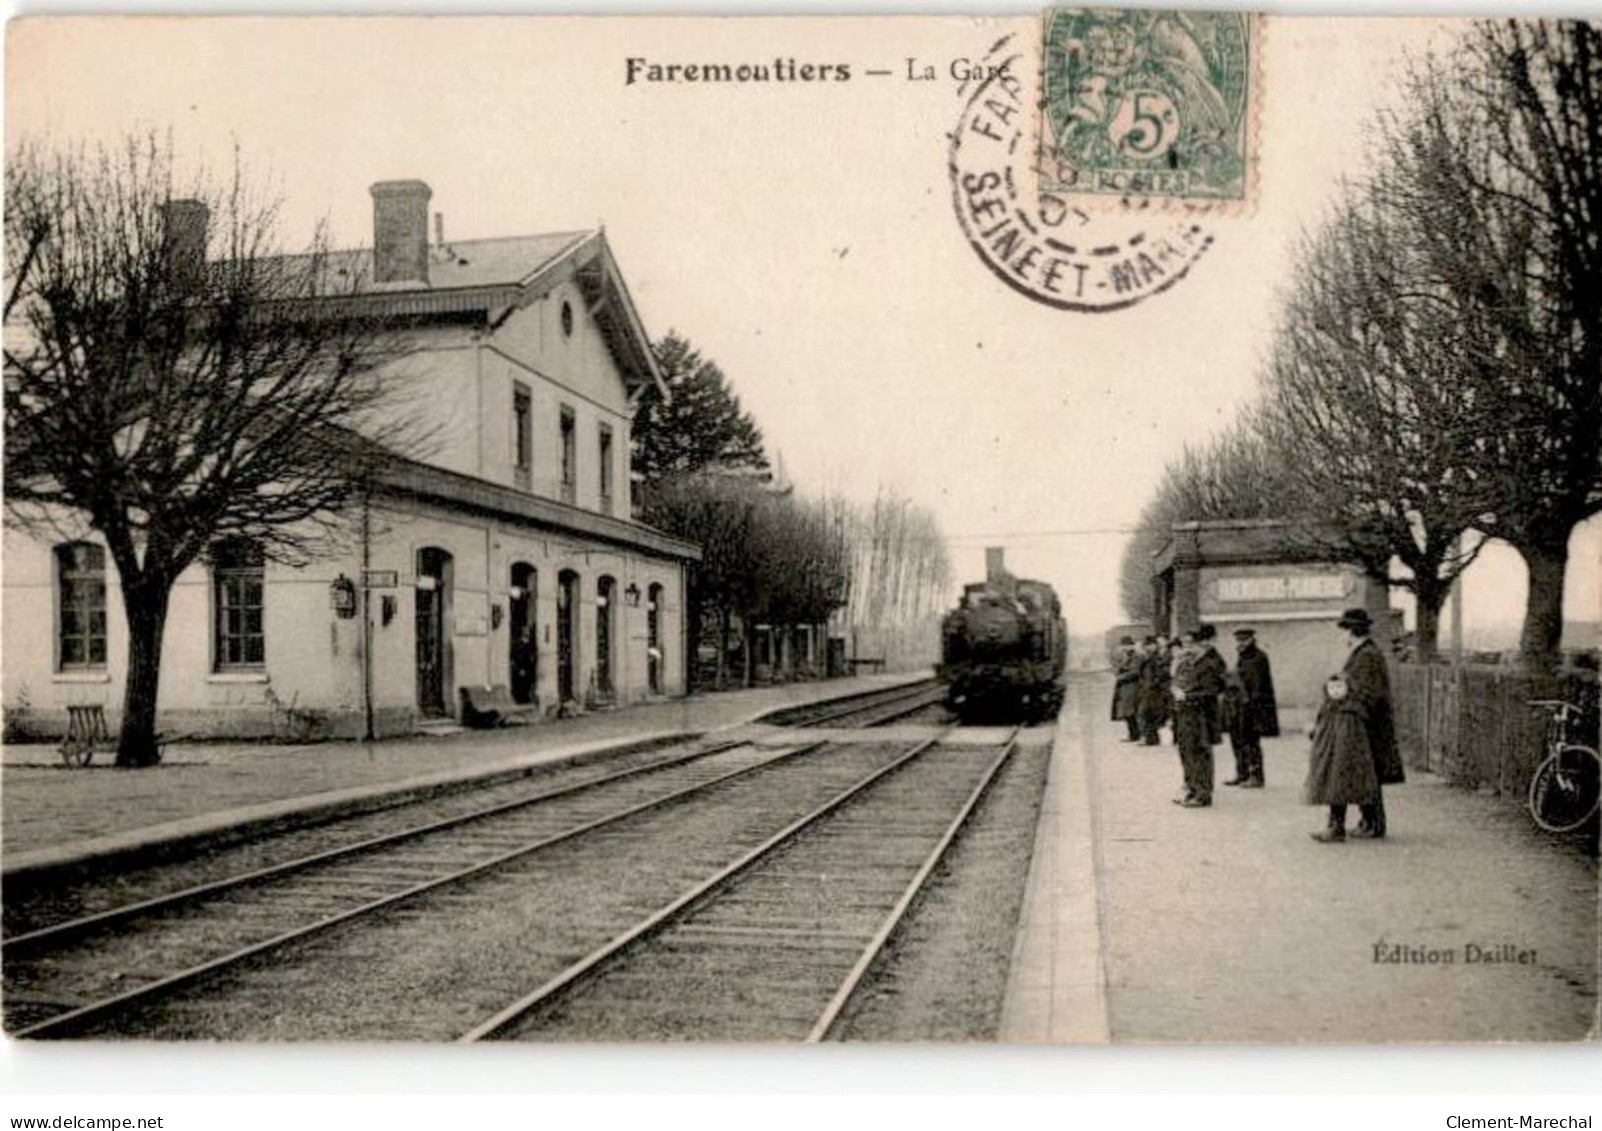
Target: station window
x,y
522,429
238,575
81,608
569,454
606,468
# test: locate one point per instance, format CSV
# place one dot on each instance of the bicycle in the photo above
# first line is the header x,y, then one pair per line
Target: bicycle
x,y
1564,791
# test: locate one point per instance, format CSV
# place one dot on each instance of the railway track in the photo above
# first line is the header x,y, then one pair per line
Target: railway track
x,y
101,973
102,899
875,709
69,976
79,975
30,908
776,944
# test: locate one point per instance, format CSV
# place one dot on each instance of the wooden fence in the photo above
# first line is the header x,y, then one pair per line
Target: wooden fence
x,y
1473,725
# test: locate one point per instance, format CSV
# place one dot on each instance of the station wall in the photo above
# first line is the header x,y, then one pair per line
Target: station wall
x,y
311,682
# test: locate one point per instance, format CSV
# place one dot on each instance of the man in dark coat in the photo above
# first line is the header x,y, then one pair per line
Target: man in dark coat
x,y
1369,687
1126,689
1257,716
1153,703
1198,681
1174,654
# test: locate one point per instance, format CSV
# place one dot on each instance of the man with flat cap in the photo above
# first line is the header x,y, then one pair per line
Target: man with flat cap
x,y
1126,688
1368,688
1256,713
1197,683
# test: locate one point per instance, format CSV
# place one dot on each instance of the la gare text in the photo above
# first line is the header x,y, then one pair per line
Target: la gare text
x,y
791,70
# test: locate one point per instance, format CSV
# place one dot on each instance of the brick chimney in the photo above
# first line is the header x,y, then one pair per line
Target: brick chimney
x,y
995,565
400,232
184,224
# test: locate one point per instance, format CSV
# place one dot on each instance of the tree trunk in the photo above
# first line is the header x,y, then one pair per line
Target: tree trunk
x,y
1427,629
147,620
693,613
723,649
1543,609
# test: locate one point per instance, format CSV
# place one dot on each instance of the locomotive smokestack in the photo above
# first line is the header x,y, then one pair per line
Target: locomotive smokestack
x,y
995,563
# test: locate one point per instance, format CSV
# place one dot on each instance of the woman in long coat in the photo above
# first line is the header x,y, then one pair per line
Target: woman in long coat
x,y
1340,769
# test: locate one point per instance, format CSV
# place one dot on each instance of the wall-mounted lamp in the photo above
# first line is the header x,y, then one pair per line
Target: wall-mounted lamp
x,y
632,594
342,596
496,612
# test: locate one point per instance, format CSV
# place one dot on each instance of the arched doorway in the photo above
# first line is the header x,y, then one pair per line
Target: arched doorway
x,y
567,611
434,578
605,634
653,638
523,639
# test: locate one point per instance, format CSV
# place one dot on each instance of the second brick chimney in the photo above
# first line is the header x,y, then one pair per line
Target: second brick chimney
x,y
400,232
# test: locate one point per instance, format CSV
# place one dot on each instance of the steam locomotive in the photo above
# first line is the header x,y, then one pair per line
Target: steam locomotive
x,y
1004,651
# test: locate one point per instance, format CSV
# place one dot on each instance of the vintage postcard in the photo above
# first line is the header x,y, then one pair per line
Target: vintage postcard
x,y
1073,528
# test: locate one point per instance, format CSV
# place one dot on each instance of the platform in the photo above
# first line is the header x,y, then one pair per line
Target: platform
x,y
53,815
1145,922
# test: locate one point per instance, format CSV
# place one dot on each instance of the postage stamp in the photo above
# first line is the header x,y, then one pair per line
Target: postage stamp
x,y
1037,239
1150,105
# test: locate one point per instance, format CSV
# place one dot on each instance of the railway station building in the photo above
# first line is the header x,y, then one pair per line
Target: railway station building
x,y
503,564
1256,574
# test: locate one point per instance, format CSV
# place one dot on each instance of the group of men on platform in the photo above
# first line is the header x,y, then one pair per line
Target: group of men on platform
x,y
1185,683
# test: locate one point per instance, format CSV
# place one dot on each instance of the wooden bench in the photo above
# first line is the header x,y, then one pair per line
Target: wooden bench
x,y
485,707
86,733
872,664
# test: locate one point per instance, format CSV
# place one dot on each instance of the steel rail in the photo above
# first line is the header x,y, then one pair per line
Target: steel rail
x,y
821,1030
66,1023
913,704
597,958
61,932
899,695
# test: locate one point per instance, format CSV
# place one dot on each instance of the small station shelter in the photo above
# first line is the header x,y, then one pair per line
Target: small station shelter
x,y
1264,575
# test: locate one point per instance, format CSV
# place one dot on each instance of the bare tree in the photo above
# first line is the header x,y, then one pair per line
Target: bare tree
x,y
172,382
900,579
1362,409
1498,164
1235,475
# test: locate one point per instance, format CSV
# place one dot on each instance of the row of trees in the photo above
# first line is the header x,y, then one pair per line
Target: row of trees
x,y
770,555
900,577
767,557
1436,377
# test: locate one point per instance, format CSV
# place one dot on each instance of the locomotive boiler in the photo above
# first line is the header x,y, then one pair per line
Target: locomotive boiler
x,y
1004,650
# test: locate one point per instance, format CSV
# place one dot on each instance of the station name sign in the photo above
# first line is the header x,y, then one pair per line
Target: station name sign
x,y
1284,587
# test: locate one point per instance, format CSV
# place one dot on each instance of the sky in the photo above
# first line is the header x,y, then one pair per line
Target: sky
x,y
802,235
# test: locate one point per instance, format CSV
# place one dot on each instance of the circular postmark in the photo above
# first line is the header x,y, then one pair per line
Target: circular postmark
x,y
1035,239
